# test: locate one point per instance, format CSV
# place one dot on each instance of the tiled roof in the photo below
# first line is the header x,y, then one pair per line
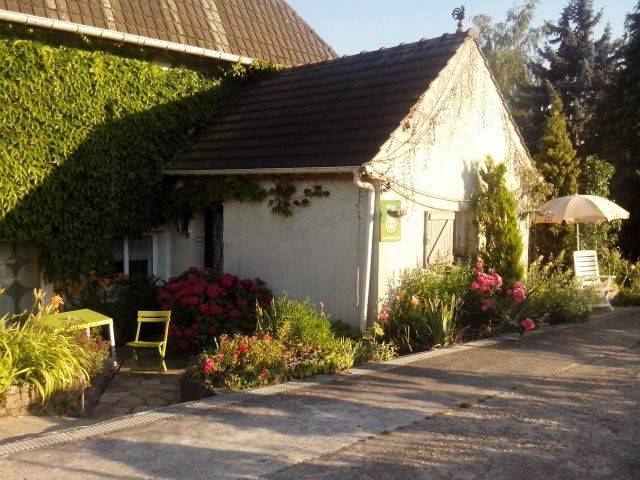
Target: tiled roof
x,y
262,29
330,114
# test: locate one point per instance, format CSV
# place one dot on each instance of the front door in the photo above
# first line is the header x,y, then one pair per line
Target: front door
x,y
213,244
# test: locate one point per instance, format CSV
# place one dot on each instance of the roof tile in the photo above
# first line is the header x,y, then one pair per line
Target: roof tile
x,y
334,113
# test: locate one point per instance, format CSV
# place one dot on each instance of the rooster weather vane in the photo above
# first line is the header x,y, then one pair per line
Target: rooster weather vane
x,y
458,14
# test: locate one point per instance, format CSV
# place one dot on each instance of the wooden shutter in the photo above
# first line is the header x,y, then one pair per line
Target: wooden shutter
x,y
438,237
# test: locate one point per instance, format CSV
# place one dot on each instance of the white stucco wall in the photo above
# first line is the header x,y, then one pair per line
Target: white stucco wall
x,y
313,253
431,160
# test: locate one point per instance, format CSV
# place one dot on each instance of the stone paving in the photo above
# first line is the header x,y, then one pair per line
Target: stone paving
x,y
134,392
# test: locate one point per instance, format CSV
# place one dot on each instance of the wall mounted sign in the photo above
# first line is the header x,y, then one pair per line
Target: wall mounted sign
x,y
390,224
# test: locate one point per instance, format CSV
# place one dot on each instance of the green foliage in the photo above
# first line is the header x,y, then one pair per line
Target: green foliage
x,y
508,45
372,348
627,275
553,295
618,136
556,158
297,324
497,221
51,362
84,136
414,313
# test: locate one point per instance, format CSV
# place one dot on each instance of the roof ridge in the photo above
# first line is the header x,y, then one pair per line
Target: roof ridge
x,y
469,33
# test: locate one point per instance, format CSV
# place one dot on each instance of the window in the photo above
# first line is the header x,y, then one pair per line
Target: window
x,y
136,255
438,237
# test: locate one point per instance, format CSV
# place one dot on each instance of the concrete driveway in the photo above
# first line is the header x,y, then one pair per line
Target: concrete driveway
x,y
562,403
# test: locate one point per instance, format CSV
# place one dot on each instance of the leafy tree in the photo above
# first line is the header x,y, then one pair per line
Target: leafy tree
x,y
508,46
497,221
619,127
575,65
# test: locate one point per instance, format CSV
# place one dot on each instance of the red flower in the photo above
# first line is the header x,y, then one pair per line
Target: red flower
x,y
234,314
214,290
264,373
208,366
199,287
528,324
215,310
241,303
193,270
204,308
173,287
212,330
244,347
227,280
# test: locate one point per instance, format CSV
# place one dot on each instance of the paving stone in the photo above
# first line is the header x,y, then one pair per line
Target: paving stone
x,y
141,408
113,397
156,401
151,381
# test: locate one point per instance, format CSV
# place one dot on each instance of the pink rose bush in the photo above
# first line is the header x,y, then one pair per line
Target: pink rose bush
x,y
501,306
204,305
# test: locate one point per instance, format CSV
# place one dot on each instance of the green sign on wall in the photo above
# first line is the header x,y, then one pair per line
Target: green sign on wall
x,y
390,226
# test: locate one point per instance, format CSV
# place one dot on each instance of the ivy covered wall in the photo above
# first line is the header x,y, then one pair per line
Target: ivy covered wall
x,y
84,135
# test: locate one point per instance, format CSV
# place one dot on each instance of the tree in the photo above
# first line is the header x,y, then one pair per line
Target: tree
x,y
576,66
497,221
556,158
508,46
619,129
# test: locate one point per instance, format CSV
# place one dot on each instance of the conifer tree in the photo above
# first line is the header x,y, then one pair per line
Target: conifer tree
x,y
556,158
497,221
619,133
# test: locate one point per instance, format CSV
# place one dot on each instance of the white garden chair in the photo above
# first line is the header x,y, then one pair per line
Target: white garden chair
x,y
587,271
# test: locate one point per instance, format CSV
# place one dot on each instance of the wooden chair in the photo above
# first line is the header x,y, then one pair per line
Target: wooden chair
x,y
161,345
587,271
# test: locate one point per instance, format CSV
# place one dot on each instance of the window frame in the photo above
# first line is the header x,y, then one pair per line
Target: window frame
x,y
154,253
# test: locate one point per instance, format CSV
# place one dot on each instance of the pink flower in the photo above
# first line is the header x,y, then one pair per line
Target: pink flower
x,y
527,324
215,310
497,280
234,314
264,373
241,303
485,305
243,348
212,330
192,301
173,287
214,290
479,265
199,287
208,365
475,286
204,308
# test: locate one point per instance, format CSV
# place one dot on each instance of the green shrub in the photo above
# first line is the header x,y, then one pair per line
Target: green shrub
x,y
297,324
372,348
344,330
496,214
627,275
553,295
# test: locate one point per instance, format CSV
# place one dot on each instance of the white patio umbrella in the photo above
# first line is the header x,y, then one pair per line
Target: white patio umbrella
x,y
580,209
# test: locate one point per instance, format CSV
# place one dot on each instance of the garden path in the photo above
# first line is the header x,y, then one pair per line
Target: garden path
x,y
575,385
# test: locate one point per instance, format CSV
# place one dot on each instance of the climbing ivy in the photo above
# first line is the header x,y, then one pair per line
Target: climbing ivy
x,y
84,136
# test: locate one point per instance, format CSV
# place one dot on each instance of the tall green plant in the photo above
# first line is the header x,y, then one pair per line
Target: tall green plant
x,y
497,221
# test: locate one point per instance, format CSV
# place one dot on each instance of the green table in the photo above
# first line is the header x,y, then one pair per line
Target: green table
x,y
84,319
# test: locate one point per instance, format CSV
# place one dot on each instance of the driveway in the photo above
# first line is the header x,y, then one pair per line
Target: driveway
x,y
562,403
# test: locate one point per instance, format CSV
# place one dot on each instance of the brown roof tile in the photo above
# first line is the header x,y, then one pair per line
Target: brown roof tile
x,y
231,20
329,114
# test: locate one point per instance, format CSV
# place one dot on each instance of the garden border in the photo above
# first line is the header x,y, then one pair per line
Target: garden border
x,y
163,413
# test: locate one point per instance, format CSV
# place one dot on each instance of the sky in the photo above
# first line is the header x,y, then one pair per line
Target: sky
x,y
351,26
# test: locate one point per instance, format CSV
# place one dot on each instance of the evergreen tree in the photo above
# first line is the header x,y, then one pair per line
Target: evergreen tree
x,y
619,131
576,66
556,158
497,221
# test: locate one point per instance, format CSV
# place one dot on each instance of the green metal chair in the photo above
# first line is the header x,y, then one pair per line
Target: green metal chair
x,y
160,345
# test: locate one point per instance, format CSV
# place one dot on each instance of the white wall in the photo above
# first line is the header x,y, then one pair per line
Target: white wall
x,y
431,160
313,253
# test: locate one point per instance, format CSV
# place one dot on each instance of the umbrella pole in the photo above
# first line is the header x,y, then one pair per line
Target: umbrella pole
x,y
578,234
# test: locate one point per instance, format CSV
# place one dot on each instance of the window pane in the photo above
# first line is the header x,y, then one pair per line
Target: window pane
x,y
118,255
141,255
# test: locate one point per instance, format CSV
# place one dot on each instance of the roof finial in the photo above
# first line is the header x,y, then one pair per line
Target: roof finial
x,y
458,14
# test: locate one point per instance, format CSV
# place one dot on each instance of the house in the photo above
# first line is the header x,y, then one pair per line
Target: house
x,y
394,136
200,34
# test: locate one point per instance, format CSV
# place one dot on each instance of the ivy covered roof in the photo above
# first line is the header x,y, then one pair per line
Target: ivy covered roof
x,y
268,30
336,113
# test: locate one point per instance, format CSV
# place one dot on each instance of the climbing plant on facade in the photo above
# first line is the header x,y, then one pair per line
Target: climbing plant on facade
x,y
84,136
